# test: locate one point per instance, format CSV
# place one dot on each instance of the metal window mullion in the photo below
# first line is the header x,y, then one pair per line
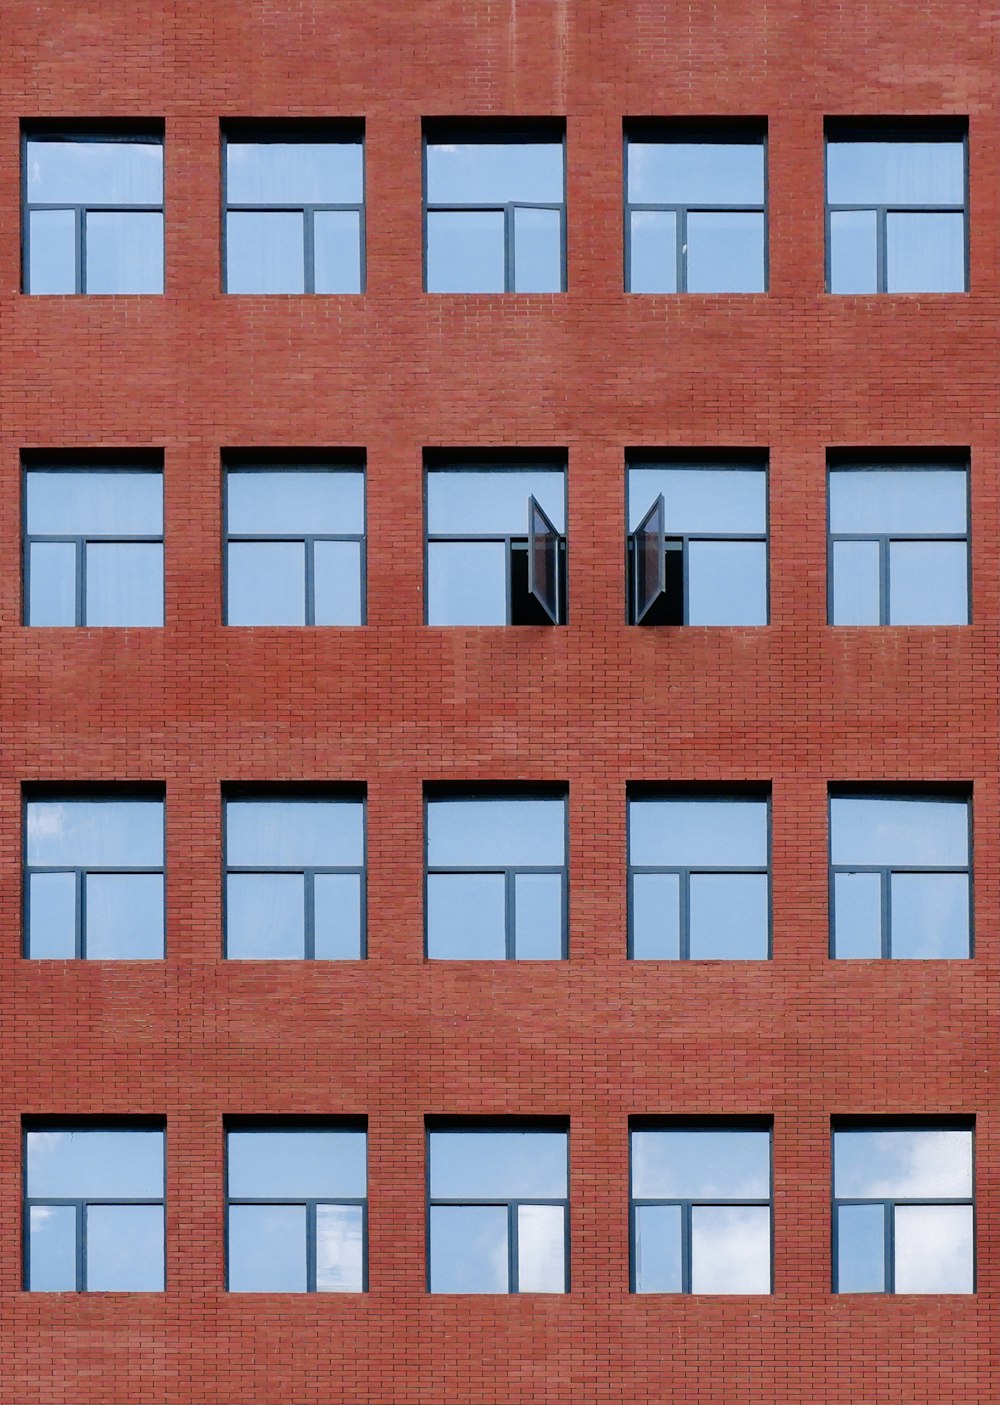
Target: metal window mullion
x,y
885,877
309,584
510,894
881,255
81,1246
680,270
883,577
684,916
889,1232
80,936
513,1268
686,1236
685,573
81,249
309,904
81,581
510,271
308,251
310,1246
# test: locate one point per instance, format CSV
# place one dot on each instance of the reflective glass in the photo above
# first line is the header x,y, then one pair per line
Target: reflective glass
x,y
265,916
857,583
656,916
297,1164
465,251
498,1165
52,1248
701,1165
99,504
729,917
538,916
124,916
267,1248
933,1248
52,583
493,502
294,173
78,172
860,1249
337,583
94,1165
468,1249
541,1249
725,251
711,501
494,833
124,251
857,899
727,583
895,172
466,916
899,501
52,910
266,583
730,1249
265,251
466,583
95,833
294,833
917,833
294,502
124,1248
124,584
887,1164
925,253
930,915
658,1249
494,173
928,583
537,251
853,251
339,1249
337,251
52,251
698,833
337,916
652,251
696,173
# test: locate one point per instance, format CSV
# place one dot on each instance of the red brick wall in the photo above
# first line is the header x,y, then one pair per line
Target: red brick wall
x,y
595,704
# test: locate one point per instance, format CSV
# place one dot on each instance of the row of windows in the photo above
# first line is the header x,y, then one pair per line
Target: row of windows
x,y
700,1211
696,545
497,877
695,208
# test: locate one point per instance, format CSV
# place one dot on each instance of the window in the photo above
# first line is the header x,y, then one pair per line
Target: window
x,y
94,878
295,552
697,544
899,545
496,553
93,216
93,1209
698,878
902,1209
900,876
294,208
295,1210
896,209
498,1210
93,552
495,208
695,208
496,878
701,1209
295,878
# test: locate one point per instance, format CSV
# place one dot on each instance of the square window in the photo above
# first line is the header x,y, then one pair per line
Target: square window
x,y
699,887
903,1217
901,882
295,544
295,878
93,878
496,878
293,208
697,543
296,1209
695,208
495,208
93,1210
896,208
701,1208
93,211
499,1210
899,545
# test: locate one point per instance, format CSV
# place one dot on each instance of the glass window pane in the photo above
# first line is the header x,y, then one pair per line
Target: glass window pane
x,y
99,1164
265,252
538,916
652,251
725,252
294,833
466,583
537,251
468,1249
95,833
928,583
52,251
52,915
853,251
52,583
930,915
78,504
466,916
541,1249
695,173
484,173
266,583
702,500
337,898
337,582
294,173
124,1248
658,1249
857,583
80,172
465,251
896,172
857,915
727,583
124,583
123,916
267,1248
52,1249
698,833
262,503
905,833
933,1248
498,1165
729,917
339,1249
701,1165
896,1164
493,502
494,833
265,916
925,253
337,251
860,1249
124,252
730,1249
656,916
933,501
297,1164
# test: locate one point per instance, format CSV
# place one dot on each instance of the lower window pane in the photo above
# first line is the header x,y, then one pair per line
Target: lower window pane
x,y
124,583
52,1248
124,252
52,915
267,1248
466,583
928,583
853,251
857,915
537,251
538,916
265,252
730,1249
860,1249
541,1249
466,916
52,251
123,916
52,583
925,253
727,583
857,584
124,1248
265,916
658,1249
930,915
933,1249
266,583
652,251
337,901
469,1249
656,916
339,1249
465,251
337,582
725,252
729,917
337,251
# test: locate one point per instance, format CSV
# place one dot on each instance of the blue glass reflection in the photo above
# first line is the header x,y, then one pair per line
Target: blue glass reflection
x,y
297,1164
498,1165
696,173
125,1248
468,1249
94,1165
95,833
494,173
917,833
698,833
701,1165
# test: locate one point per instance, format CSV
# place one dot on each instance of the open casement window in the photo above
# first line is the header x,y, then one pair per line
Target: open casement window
x,y
544,561
648,548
